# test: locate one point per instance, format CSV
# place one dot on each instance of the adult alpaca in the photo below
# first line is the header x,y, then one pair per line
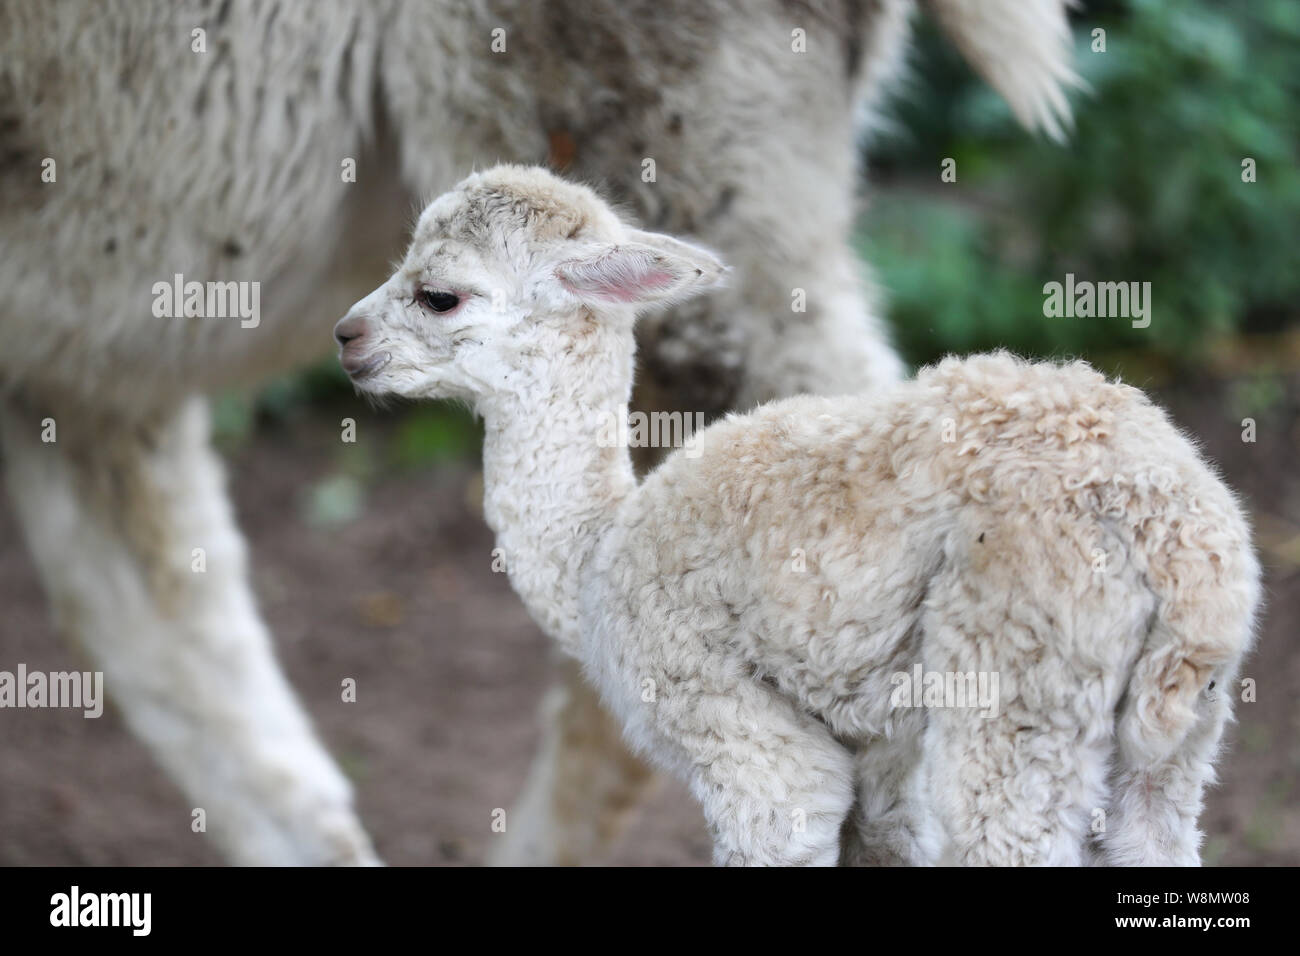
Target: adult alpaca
x,y
144,142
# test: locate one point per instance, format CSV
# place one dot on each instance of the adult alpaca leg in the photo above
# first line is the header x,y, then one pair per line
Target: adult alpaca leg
x,y
113,511
583,784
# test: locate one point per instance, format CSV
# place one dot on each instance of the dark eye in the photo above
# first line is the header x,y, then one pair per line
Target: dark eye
x,y
436,301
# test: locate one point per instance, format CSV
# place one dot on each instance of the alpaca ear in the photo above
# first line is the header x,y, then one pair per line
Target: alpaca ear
x,y
646,269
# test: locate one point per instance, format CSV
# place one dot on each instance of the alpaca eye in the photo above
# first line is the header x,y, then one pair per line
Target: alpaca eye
x,y
438,301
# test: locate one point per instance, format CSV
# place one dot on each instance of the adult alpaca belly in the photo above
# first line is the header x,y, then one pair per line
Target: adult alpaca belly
x,y
172,146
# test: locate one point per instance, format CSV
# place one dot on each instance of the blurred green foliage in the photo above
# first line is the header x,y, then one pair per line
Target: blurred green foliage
x,y
437,432
422,434
1148,188
235,413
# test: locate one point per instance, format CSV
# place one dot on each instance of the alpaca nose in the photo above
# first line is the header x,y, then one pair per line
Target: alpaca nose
x,y
350,328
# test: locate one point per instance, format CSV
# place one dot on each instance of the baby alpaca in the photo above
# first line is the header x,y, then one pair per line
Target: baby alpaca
x,y
750,611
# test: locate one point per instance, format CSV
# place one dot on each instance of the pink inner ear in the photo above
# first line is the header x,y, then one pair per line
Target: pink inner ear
x,y
632,291
624,275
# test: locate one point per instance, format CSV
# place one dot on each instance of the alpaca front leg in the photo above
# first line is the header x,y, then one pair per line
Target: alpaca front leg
x,y
775,786
583,785
130,528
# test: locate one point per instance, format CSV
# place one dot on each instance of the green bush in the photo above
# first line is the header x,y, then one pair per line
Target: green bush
x,y
1148,188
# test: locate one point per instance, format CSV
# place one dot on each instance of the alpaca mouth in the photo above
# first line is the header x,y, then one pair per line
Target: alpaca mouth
x,y
367,367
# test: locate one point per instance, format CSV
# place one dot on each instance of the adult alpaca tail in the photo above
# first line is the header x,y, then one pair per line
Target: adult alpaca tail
x,y
1022,49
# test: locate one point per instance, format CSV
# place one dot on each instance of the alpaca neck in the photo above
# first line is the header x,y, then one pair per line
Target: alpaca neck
x,y
551,486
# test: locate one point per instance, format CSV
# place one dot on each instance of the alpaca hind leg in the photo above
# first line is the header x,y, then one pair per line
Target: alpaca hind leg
x,y
1019,732
1009,795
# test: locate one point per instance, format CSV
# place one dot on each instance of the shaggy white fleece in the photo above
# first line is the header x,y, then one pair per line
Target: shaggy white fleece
x,y
747,610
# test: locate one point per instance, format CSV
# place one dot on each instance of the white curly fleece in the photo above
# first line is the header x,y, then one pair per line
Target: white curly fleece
x,y
747,611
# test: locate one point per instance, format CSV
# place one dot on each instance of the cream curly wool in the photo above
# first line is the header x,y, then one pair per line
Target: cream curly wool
x,y
1029,521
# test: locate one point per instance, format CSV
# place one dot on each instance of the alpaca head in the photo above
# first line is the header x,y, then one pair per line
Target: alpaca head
x,y
508,271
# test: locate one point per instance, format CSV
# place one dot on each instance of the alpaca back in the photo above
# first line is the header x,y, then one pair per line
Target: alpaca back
x,y
1029,522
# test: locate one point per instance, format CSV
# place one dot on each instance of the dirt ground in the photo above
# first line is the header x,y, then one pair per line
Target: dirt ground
x,y
450,671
